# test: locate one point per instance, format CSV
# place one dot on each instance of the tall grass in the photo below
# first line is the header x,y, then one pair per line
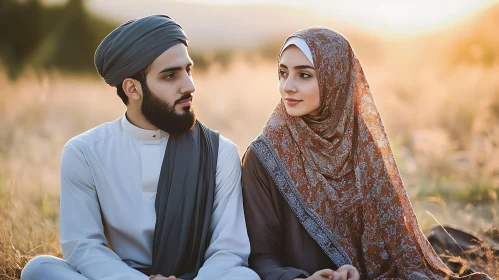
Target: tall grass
x,y
443,125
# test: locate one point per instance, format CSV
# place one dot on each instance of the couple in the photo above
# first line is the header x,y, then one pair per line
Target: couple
x,y
156,194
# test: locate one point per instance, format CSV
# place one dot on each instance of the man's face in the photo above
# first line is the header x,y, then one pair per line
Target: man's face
x,y
167,95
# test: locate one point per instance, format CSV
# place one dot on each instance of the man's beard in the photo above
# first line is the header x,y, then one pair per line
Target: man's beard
x,y
163,116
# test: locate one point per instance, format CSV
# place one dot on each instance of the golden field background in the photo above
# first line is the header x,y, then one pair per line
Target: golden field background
x,y
438,95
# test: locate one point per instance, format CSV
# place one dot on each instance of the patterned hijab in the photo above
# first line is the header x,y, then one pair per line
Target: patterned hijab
x,y
341,163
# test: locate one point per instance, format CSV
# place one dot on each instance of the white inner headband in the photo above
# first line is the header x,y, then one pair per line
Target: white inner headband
x,y
302,45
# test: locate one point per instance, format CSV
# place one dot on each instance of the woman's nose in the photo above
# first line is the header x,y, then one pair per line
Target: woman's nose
x,y
289,86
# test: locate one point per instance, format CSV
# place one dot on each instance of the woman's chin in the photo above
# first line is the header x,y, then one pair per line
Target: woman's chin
x,y
296,113
293,113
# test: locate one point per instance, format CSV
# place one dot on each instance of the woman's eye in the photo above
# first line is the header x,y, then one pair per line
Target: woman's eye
x,y
305,75
283,74
189,71
168,77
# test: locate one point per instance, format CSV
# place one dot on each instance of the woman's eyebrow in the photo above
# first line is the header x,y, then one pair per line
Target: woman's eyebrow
x,y
298,66
304,67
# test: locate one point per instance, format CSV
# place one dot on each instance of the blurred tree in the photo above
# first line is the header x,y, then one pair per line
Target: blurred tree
x,y
63,37
73,42
20,32
477,42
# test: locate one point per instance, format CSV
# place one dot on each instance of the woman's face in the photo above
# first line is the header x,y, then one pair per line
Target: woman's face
x,y
298,83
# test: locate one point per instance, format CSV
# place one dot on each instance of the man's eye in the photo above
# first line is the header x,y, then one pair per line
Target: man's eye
x,y
169,76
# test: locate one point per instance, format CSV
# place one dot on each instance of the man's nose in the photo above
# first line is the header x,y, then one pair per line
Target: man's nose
x,y
188,85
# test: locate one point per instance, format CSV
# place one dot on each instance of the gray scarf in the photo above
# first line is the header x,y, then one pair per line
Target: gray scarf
x,y
184,203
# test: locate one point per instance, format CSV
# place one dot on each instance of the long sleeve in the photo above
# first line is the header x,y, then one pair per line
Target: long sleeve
x,y
264,227
227,254
83,242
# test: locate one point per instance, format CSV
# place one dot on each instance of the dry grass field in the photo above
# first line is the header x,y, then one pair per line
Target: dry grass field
x,y
439,103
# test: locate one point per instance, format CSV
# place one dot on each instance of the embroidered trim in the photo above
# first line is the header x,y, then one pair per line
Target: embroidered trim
x,y
312,223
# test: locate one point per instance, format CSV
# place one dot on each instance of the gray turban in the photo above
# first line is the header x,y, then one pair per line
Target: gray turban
x,y
135,45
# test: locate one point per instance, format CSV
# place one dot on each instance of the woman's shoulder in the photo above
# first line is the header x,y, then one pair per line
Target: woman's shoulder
x,y
252,166
255,178
250,159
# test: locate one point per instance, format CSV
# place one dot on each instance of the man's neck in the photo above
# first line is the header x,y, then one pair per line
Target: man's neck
x,y
136,118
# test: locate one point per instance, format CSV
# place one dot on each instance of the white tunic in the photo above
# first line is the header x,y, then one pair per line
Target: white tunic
x,y
109,176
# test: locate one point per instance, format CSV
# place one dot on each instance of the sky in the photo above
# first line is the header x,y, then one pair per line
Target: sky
x,y
387,16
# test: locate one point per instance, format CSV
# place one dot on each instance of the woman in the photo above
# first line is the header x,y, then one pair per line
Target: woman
x,y
322,193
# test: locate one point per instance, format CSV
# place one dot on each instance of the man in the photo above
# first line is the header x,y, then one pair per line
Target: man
x,y
154,194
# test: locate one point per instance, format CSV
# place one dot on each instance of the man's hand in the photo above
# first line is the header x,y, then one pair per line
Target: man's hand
x,y
345,272
161,277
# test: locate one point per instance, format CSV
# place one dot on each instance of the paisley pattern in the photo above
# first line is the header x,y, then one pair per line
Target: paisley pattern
x,y
341,164
312,223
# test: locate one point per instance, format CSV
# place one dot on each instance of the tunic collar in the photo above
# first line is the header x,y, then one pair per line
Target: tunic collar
x,y
140,133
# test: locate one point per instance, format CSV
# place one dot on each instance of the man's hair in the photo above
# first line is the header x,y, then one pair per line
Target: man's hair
x,y
139,76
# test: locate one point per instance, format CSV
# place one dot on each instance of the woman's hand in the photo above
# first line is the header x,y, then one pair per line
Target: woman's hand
x,y
345,272
322,274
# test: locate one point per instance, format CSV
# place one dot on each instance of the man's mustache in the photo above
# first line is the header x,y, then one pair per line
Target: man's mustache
x,y
184,97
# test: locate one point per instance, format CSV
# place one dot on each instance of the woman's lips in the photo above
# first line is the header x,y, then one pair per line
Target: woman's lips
x,y
292,102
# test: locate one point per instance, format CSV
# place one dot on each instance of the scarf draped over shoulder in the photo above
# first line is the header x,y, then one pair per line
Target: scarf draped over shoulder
x,y
338,174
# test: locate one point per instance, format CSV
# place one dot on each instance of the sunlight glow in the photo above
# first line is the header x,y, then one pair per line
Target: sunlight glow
x,y
387,16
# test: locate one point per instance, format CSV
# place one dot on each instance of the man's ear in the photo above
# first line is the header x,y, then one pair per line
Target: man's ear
x,y
132,89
